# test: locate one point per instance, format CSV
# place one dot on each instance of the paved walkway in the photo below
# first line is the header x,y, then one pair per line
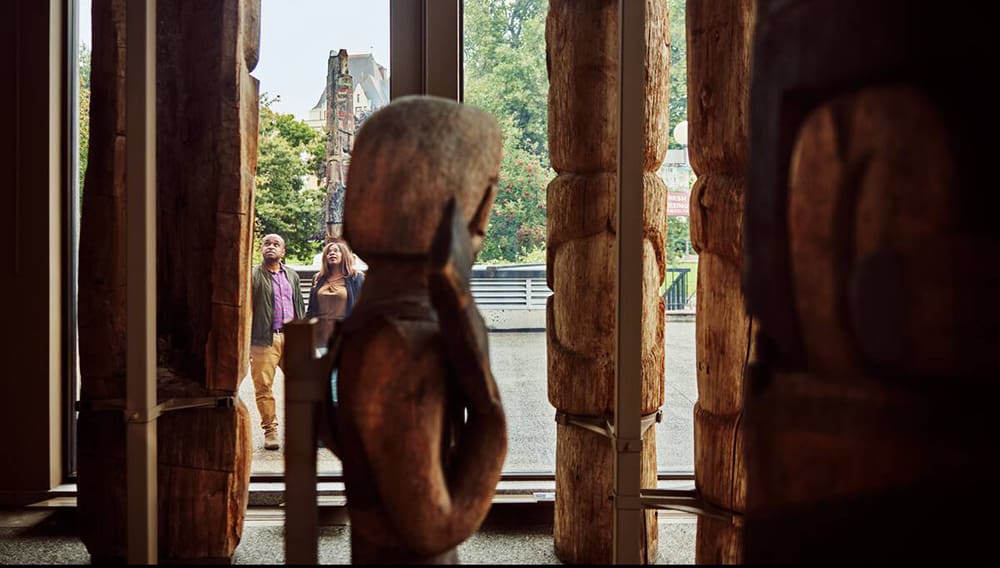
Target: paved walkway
x,y
519,364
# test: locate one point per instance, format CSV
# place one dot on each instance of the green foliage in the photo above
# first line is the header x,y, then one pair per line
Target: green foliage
x,y
678,237
284,205
83,112
505,75
678,66
516,231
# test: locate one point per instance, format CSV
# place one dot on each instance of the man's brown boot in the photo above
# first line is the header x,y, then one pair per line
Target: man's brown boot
x,y
271,440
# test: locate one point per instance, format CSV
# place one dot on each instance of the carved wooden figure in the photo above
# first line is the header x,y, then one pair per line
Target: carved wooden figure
x,y
871,265
413,357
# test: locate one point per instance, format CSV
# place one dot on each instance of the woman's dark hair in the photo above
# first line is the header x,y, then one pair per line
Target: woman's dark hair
x,y
346,261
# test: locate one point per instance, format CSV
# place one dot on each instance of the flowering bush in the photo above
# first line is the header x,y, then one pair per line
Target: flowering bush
x,y
517,224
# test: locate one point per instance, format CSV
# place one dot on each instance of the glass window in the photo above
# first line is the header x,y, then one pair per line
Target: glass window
x,y
324,68
504,74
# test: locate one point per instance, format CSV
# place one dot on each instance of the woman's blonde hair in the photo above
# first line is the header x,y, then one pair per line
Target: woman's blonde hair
x,y
346,261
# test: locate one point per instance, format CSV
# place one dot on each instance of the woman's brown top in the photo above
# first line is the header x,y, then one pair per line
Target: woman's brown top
x,y
332,301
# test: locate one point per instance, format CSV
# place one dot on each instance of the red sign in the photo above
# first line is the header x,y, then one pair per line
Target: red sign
x,y
678,204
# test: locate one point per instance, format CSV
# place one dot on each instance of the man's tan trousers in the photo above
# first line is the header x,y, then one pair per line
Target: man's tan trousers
x,y
263,361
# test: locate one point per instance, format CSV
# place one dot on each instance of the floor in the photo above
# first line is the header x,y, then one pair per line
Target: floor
x,y
511,535
518,361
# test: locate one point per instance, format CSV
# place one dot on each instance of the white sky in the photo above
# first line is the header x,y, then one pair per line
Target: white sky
x,y
296,37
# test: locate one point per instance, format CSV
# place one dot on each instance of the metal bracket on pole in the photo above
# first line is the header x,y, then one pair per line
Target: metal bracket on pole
x,y
602,424
687,500
149,414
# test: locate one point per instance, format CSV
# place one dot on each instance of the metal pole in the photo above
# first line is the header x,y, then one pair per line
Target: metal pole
x,y
628,514
140,178
442,48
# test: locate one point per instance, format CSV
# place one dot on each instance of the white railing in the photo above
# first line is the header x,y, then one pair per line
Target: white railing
x,y
510,293
489,293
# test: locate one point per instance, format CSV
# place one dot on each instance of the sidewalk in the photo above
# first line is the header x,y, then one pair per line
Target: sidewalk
x,y
518,360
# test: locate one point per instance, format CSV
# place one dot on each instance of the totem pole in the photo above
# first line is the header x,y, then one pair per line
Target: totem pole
x,y
581,39
339,137
206,122
872,266
719,82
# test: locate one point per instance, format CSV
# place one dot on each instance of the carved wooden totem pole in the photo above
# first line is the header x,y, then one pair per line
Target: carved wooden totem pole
x,y
206,159
340,138
419,424
719,34
872,264
581,44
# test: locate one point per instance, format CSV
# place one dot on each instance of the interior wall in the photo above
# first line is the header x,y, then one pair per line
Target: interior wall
x,y
31,36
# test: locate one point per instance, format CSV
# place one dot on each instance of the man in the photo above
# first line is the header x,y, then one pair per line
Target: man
x,y
276,301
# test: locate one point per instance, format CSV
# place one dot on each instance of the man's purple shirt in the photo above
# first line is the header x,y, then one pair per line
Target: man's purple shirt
x,y
283,310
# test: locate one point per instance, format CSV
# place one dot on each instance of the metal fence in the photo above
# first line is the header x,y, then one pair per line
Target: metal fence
x,y
510,293
491,292
527,289
676,295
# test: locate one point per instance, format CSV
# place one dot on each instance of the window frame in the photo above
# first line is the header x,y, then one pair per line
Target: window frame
x,y
426,54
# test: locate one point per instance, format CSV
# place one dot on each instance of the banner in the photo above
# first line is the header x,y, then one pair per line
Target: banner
x,y
678,203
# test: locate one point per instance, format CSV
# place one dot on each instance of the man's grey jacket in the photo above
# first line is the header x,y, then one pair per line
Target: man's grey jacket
x,y
262,291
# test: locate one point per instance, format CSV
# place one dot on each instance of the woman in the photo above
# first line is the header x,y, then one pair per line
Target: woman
x,y
335,289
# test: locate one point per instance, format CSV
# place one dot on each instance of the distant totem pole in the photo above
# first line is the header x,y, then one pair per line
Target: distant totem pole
x,y
339,138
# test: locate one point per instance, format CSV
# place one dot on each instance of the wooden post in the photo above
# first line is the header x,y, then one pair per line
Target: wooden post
x,y
582,47
206,140
718,98
304,393
425,47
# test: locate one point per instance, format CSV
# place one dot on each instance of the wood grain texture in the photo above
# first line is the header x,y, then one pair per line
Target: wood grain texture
x,y
582,52
870,244
581,43
719,35
581,525
205,185
101,303
719,48
202,489
206,159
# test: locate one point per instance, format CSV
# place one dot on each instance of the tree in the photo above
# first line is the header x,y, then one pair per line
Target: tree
x,y
517,225
284,205
678,237
83,77
678,228
678,66
505,75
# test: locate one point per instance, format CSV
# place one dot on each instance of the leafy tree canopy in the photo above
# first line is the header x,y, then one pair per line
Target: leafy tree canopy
x,y
286,154
678,66
505,76
84,111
